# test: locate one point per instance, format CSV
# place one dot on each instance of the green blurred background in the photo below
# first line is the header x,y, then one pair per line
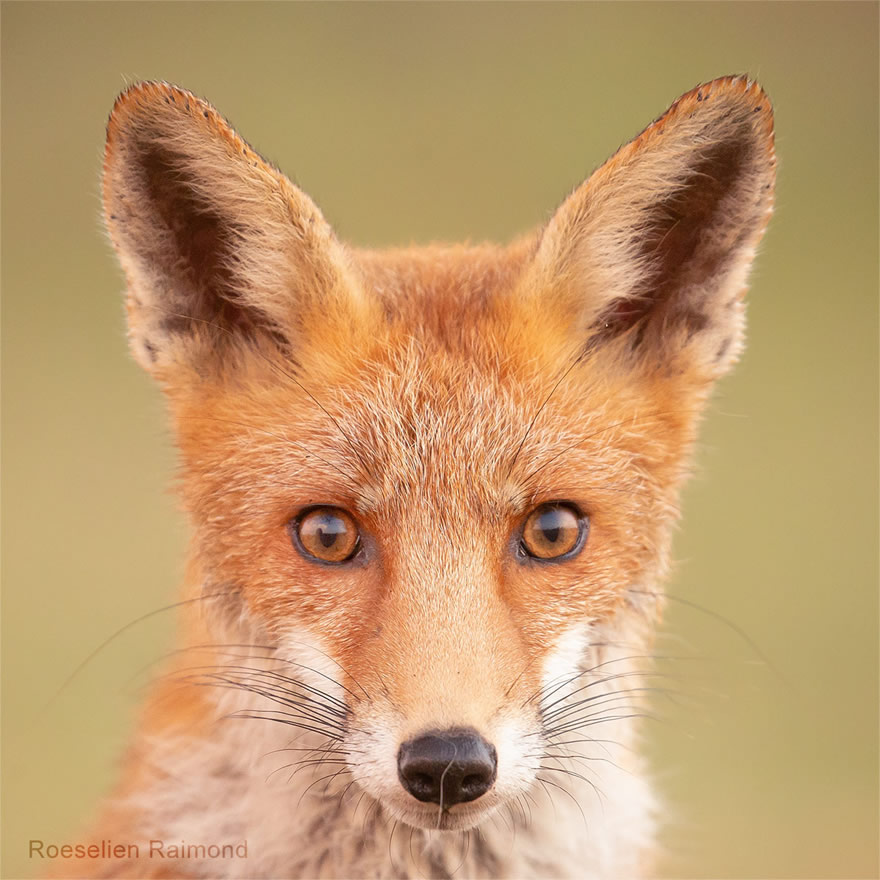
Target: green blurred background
x,y
424,122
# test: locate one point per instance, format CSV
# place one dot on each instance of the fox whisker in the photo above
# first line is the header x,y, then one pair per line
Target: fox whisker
x,y
555,685
733,627
604,697
574,775
304,764
579,724
330,776
565,791
276,682
268,717
301,710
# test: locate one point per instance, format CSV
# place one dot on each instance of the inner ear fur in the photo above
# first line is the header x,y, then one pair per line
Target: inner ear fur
x,y
652,252
219,248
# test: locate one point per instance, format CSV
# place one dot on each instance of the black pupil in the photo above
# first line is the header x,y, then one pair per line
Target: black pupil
x,y
331,528
550,525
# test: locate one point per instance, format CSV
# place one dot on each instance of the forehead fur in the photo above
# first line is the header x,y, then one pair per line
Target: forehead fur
x,y
457,368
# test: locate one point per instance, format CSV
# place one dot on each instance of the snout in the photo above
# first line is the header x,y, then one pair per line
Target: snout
x,y
447,767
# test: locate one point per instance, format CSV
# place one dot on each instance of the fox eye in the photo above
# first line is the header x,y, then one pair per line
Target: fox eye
x,y
328,534
552,531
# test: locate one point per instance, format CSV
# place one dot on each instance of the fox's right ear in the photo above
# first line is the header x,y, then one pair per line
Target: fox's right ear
x,y
221,251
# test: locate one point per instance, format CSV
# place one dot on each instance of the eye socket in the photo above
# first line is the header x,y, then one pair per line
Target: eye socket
x,y
554,530
328,534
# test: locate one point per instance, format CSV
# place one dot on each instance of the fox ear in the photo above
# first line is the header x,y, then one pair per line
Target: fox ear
x,y
652,252
219,248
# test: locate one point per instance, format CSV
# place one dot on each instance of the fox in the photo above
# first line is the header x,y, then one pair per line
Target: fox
x,y
432,492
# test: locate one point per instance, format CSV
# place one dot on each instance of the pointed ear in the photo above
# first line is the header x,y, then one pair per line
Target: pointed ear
x,y
651,254
220,250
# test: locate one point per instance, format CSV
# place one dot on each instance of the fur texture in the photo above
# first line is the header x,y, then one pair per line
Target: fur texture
x,y
439,395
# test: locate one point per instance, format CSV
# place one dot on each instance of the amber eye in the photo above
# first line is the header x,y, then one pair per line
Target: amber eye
x,y
553,530
326,533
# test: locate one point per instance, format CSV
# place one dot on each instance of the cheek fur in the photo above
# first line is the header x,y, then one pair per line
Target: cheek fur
x,y
563,661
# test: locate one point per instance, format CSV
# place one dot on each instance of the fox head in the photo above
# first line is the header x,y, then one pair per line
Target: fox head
x,y
453,470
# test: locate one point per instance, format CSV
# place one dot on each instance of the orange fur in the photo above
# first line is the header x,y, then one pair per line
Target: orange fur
x,y
438,395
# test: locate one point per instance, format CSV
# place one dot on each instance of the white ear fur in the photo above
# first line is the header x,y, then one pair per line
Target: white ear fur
x,y
219,248
653,250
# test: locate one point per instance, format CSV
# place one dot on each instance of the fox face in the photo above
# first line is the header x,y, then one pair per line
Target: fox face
x,y
451,473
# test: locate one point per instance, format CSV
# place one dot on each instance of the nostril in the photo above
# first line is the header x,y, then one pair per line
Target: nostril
x,y
420,785
447,767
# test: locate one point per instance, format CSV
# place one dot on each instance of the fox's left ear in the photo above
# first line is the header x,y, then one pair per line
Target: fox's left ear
x,y
652,252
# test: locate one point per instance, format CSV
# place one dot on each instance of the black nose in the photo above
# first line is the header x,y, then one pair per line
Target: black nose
x,y
447,767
